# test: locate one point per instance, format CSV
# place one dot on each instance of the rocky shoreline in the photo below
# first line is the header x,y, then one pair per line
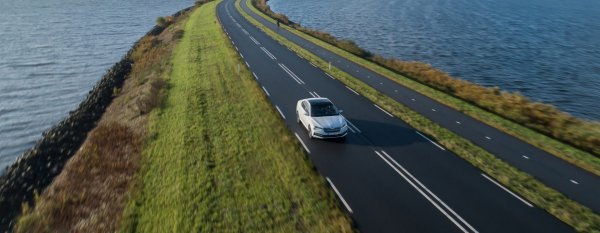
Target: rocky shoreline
x,y
36,168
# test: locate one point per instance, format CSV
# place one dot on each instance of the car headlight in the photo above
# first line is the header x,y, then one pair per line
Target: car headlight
x,y
317,127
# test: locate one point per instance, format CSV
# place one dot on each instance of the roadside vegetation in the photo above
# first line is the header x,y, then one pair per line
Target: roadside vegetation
x,y
219,158
572,139
578,216
90,193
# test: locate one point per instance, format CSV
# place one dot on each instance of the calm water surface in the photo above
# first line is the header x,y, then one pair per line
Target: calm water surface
x,y
548,50
52,52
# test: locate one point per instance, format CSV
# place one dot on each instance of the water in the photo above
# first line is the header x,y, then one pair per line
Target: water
x,y
52,52
549,50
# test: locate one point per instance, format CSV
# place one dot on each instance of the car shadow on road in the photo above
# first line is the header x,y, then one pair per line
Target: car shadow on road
x,y
379,134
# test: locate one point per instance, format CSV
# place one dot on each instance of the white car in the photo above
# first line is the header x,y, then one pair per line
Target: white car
x,y
321,118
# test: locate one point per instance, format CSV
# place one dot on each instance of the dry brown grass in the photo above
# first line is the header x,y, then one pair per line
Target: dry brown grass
x,y
90,193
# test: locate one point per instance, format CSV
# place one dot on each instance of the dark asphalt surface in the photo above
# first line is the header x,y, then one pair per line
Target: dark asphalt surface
x,y
389,178
575,183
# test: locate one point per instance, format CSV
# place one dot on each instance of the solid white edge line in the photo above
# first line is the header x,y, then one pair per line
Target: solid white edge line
x,y
386,112
423,193
312,64
329,76
353,91
280,112
339,195
430,140
508,191
429,191
302,142
266,92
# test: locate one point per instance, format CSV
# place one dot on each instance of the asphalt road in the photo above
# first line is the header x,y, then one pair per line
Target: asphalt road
x,y
389,177
575,183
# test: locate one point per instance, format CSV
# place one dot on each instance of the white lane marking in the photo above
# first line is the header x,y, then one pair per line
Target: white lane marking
x,y
353,91
255,77
266,92
268,53
574,182
241,55
316,94
329,75
430,140
353,126
488,138
525,156
229,37
413,99
312,64
437,206
508,191
236,49
302,142
248,65
458,122
254,40
281,113
233,42
351,130
311,94
339,194
433,109
383,110
245,32
381,83
289,72
395,90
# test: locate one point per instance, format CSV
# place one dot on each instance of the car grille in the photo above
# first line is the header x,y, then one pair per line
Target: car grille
x,y
331,130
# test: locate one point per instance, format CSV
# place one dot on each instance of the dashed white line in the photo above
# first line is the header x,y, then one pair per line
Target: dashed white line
x,y
413,99
248,65
233,42
353,91
458,122
422,189
574,181
329,76
386,112
236,49
311,94
302,142
339,195
395,90
312,64
525,156
281,113
289,72
488,138
266,92
508,191
433,109
254,40
241,55
268,53
352,126
255,77
426,138
316,94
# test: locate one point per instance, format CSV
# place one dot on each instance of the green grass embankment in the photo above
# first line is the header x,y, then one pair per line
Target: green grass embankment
x,y
509,112
578,216
220,159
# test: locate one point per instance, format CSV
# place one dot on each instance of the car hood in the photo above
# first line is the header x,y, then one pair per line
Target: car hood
x,y
329,121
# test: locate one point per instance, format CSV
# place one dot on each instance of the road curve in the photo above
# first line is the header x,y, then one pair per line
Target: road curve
x,y
388,176
577,184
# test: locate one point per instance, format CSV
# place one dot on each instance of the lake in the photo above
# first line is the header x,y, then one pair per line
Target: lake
x,y
549,50
53,52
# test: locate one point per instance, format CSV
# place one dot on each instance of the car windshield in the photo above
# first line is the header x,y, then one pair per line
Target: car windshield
x,y
323,109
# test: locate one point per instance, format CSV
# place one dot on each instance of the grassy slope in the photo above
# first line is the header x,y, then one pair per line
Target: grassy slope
x,y
573,213
564,151
220,159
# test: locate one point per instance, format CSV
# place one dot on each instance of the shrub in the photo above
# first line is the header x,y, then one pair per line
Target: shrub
x,y
161,21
